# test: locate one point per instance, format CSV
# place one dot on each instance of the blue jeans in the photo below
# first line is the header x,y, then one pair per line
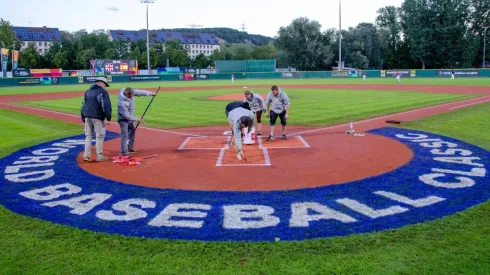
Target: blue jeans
x,y
127,136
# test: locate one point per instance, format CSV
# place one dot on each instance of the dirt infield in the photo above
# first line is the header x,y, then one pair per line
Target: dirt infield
x,y
201,158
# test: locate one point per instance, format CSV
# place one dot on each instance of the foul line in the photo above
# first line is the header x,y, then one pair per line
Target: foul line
x,y
72,115
381,117
301,139
462,106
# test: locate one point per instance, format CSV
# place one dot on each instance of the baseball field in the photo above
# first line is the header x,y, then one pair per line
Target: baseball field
x,y
409,198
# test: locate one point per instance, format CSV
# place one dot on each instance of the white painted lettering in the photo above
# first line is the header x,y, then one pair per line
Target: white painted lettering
x,y
249,217
301,218
439,144
406,200
51,192
16,168
475,172
30,176
430,179
64,145
174,210
29,160
451,152
370,212
460,160
411,136
81,205
131,213
47,151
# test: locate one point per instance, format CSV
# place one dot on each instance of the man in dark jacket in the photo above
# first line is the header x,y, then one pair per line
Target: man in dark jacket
x,y
96,107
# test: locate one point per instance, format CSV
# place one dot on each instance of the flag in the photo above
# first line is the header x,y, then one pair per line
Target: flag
x,y
5,58
109,67
15,59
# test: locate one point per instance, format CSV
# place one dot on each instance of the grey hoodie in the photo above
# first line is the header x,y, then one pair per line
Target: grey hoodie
x,y
125,105
279,102
234,117
256,103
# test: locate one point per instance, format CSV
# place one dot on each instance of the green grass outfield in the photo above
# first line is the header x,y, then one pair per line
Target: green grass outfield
x,y
458,244
308,107
247,82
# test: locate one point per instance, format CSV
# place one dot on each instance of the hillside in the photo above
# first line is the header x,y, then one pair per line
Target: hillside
x,y
230,35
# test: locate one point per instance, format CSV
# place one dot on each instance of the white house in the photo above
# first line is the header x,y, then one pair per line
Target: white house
x,y
43,38
193,43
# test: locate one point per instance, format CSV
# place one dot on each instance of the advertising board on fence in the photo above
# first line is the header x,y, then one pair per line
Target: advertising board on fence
x,y
403,73
21,72
201,76
291,75
91,79
462,73
144,77
30,81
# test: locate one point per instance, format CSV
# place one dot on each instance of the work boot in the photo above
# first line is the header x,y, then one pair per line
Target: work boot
x,y
101,159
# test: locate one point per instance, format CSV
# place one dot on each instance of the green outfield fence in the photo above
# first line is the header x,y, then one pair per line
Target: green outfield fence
x,y
248,66
32,81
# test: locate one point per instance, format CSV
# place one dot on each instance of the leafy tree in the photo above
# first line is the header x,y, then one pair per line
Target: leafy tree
x,y
240,51
7,35
110,54
304,44
84,57
29,57
263,52
60,59
202,61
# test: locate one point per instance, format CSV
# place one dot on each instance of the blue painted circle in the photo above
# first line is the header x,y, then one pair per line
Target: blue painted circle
x,y
347,200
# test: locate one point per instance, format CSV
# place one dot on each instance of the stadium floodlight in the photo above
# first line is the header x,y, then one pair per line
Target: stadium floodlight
x,y
147,33
485,39
484,44
340,37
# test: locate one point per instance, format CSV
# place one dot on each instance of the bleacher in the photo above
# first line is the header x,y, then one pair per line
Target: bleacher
x,y
37,34
163,36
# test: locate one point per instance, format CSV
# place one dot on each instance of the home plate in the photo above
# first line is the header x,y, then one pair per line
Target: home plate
x,y
227,133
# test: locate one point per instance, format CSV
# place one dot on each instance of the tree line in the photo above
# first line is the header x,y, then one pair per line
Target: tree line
x,y
75,50
418,34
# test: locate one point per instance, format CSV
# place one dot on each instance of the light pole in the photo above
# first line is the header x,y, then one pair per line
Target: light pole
x,y
147,34
485,15
484,45
340,37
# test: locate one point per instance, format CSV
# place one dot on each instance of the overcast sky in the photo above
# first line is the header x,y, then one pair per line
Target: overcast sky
x,y
259,16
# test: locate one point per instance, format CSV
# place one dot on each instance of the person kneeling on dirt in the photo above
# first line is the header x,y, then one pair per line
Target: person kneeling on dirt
x,y
239,118
125,117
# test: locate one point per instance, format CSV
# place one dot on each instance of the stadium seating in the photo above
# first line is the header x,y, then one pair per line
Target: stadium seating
x,y
164,36
37,34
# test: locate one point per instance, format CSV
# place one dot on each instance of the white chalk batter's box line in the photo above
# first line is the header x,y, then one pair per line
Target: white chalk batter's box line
x,y
219,161
227,144
182,146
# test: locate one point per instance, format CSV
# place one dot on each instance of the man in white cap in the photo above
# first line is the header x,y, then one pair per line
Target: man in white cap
x,y
96,107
